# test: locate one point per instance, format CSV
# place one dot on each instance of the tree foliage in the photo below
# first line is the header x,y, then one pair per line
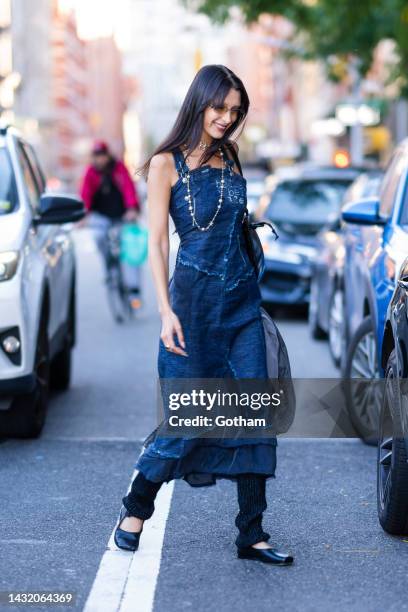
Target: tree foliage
x,y
330,28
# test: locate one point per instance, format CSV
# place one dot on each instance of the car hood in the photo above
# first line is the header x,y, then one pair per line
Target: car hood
x,y
298,237
12,231
300,231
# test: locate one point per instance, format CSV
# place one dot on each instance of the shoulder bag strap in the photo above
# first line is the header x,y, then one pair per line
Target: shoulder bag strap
x,y
235,157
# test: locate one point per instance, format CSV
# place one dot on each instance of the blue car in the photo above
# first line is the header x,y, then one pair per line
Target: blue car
x,y
326,308
376,245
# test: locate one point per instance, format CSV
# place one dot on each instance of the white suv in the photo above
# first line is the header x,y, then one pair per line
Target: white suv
x,y
37,288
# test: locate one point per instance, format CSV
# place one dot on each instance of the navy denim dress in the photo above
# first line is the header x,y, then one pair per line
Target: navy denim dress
x,y
215,294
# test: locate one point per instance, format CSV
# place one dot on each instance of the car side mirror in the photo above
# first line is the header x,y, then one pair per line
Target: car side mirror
x,y
363,212
59,208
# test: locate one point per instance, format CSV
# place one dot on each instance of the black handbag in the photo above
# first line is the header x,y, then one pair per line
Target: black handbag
x,y
254,244
252,241
279,370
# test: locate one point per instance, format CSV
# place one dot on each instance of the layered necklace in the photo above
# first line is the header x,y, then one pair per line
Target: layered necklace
x,y
191,200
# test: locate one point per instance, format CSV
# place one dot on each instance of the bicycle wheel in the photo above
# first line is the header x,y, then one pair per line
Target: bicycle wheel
x,y
115,293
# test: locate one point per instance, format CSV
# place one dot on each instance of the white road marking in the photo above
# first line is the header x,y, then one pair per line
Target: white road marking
x,y
127,581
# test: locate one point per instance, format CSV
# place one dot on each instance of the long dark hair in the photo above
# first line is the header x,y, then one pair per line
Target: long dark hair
x,y
210,85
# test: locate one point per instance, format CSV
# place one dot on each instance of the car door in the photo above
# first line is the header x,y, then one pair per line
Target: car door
x,y
368,270
64,256
45,250
359,240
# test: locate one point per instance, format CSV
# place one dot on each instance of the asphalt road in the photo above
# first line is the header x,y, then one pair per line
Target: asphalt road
x,y
61,493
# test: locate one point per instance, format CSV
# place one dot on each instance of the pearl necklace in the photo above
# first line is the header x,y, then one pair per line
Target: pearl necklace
x,y
191,201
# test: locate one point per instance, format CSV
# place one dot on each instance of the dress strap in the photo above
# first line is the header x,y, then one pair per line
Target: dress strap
x,y
233,160
180,162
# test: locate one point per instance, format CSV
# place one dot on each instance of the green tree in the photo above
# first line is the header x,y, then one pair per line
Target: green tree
x,y
327,28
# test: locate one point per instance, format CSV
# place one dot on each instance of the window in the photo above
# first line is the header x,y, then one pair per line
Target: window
x,y
303,202
390,183
33,159
8,190
33,190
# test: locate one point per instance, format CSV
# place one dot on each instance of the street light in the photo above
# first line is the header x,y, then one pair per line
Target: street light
x,y
351,114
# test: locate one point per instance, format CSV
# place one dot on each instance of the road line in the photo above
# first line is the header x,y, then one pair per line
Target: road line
x,y
145,566
124,578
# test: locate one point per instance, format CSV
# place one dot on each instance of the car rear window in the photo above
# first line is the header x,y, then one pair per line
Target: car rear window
x,y
8,191
307,202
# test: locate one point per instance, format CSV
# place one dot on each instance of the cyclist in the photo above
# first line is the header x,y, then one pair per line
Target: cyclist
x,y
110,197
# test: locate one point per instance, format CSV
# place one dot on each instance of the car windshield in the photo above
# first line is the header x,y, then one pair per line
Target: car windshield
x,y
314,202
8,193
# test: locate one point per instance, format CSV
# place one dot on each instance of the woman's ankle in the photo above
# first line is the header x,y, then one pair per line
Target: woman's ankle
x,y
262,544
132,523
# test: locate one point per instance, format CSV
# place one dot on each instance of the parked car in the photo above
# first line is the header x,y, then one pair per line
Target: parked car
x,y
376,245
299,206
255,180
326,309
392,455
37,288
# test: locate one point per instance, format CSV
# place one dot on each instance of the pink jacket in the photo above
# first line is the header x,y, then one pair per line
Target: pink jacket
x,y
92,180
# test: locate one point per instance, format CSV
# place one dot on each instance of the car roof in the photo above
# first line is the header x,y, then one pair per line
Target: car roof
x,y
314,172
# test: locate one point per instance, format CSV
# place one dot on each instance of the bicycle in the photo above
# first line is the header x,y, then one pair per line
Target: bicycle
x,y
122,300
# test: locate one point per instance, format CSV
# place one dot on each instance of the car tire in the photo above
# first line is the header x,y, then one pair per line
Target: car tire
x,y
316,332
27,414
61,365
337,327
392,466
362,363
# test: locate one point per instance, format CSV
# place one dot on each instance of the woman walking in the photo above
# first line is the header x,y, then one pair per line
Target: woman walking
x,y
211,322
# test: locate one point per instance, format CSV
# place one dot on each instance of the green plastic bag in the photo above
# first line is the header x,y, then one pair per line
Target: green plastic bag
x,y
133,244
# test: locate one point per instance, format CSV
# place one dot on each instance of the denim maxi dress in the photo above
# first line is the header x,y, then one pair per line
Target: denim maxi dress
x,y
215,294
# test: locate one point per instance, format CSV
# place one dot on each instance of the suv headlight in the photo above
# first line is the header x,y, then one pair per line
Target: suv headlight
x,y
8,264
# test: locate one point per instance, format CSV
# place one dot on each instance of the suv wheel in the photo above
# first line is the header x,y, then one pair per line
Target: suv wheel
x,y
27,414
362,398
392,466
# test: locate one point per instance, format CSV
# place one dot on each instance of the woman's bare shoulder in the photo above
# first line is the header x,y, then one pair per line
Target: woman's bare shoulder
x,y
162,163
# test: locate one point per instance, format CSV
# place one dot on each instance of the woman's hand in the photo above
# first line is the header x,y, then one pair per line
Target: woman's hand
x,y
170,326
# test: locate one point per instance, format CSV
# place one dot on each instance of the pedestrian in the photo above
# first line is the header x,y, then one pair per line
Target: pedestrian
x,y
211,323
110,198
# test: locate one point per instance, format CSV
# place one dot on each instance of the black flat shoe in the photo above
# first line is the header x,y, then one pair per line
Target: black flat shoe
x,y
267,555
127,540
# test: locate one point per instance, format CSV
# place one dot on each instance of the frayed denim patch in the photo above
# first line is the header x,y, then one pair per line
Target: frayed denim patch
x,y
197,266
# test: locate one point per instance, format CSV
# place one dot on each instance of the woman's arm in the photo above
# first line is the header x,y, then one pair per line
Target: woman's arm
x,y
158,198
